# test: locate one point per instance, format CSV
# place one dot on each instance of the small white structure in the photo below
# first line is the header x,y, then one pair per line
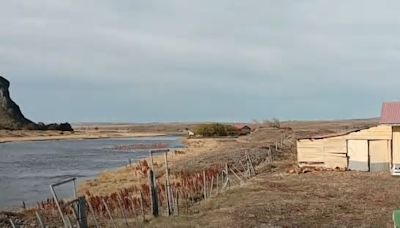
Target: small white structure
x,y
190,133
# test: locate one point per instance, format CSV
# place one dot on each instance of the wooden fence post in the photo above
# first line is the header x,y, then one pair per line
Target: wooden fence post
x,y
153,194
82,212
211,186
204,185
270,155
177,204
226,183
217,183
168,186
152,167
226,169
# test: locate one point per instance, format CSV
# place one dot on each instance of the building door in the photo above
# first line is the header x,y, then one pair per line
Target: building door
x,y
379,155
396,147
358,155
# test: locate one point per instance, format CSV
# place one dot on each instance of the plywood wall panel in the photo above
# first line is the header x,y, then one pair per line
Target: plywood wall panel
x,y
379,153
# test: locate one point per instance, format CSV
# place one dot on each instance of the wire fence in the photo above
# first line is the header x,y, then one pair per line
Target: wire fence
x,y
167,195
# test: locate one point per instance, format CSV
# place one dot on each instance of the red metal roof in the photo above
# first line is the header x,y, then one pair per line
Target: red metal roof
x,y
390,113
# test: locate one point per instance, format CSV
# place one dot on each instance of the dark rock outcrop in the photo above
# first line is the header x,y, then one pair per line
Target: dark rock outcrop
x,y
11,116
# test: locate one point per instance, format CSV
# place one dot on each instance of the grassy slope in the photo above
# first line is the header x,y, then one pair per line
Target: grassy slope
x,y
276,198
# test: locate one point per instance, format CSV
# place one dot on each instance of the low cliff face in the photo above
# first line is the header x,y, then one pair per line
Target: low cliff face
x,y
11,116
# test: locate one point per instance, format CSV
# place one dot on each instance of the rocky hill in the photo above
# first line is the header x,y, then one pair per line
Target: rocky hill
x,y
11,116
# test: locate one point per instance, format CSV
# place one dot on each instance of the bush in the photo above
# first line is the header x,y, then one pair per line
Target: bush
x,y
275,123
216,130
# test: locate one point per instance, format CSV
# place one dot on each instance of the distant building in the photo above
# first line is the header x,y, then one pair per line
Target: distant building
x,y
243,129
373,149
190,133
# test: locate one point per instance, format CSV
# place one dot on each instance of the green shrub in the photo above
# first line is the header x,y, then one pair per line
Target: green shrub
x,y
216,130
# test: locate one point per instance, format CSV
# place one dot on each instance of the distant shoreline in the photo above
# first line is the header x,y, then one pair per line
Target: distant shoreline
x,y
75,136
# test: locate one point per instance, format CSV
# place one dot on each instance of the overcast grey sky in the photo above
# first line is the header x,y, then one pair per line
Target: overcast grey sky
x,y
180,60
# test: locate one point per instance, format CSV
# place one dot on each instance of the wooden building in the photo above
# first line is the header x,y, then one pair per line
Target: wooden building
x,y
374,149
243,129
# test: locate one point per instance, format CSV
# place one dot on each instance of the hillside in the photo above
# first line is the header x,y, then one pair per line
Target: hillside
x,y
11,116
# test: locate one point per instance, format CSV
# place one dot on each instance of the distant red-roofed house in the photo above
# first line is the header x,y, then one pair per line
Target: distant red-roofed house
x,y
390,113
243,129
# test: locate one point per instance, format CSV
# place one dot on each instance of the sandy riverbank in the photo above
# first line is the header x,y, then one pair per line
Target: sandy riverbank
x,y
96,131
23,136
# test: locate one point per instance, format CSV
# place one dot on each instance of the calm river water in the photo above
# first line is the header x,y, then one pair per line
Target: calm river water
x,y
27,169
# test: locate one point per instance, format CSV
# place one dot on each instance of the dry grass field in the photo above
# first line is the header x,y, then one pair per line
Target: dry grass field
x,y
278,199
275,197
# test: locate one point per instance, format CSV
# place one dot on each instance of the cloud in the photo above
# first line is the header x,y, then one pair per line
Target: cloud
x,y
200,60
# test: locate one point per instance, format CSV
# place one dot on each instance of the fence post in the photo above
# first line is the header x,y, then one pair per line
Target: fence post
x,y
82,212
204,185
151,159
168,186
217,183
177,203
227,176
153,194
211,186
270,155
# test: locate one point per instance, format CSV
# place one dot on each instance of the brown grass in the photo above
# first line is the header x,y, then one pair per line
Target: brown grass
x,y
274,198
324,199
